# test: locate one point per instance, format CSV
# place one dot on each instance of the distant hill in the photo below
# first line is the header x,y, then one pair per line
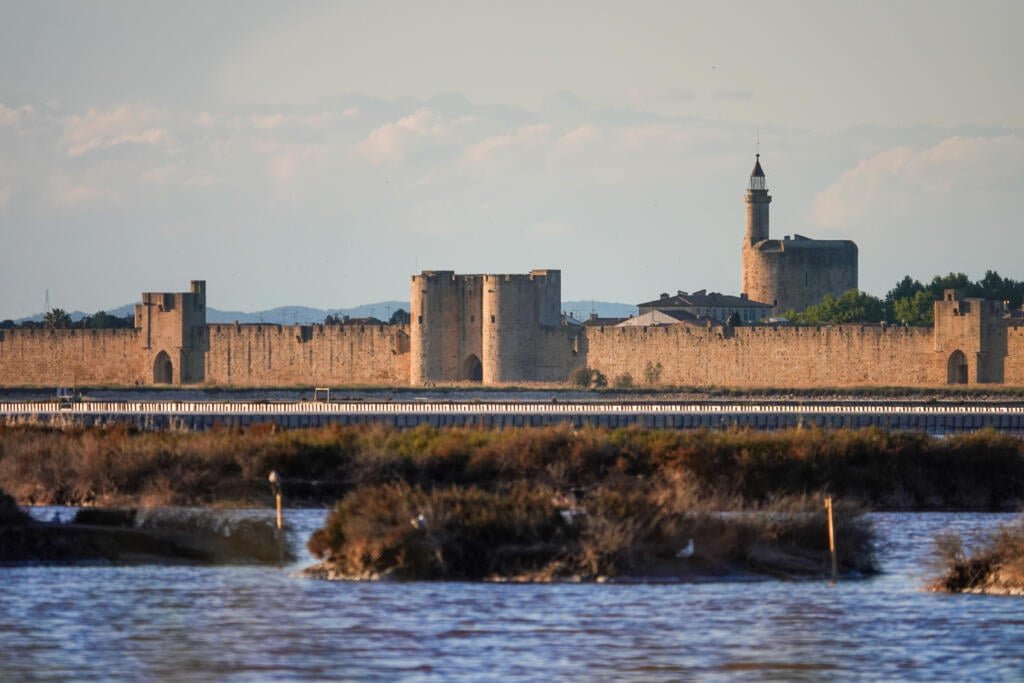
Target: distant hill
x,y
581,310
303,315
298,315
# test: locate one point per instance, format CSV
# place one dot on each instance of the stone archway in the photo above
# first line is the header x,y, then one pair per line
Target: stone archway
x,y
472,369
163,370
956,368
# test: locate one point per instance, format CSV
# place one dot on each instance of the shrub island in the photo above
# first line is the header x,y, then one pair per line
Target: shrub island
x,y
129,536
617,530
995,567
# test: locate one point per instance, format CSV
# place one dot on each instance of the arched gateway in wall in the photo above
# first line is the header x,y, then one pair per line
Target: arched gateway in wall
x,y
472,369
163,370
956,368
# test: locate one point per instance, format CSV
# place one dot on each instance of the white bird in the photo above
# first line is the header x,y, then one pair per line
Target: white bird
x,y
687,551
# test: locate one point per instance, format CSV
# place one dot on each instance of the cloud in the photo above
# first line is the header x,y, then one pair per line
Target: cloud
x,y
578,138
663,136
390,143
900,179
281,120
71,195
205,119
287,164
13,117
126,124
654,96
487,149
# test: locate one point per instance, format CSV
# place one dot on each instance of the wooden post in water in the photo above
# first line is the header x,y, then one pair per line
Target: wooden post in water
x,y
831,536
275,486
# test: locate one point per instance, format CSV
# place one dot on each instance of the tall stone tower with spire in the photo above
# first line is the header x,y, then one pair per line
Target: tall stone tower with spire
x,y
794,272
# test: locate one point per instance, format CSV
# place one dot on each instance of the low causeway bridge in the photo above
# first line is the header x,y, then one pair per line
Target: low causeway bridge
x,y
196,415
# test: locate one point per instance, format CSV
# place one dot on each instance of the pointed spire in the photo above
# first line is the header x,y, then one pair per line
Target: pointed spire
x,y
757,181
757,172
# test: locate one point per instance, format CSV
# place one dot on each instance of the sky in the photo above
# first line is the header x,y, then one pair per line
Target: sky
x,y
319,153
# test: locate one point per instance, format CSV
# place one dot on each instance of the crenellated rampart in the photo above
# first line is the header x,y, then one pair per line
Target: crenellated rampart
x,y
67,358
284,355
763,356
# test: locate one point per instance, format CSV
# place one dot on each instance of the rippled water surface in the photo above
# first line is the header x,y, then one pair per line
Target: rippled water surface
x,y
264,623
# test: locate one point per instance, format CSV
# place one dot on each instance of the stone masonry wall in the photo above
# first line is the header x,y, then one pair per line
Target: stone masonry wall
x,y
794,274
847,355
331,355
1014,368
68,357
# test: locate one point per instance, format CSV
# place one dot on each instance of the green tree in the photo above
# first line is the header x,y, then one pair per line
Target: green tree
x,y
57,319
854,306
959,281
918,309
101,320
905,288
399,317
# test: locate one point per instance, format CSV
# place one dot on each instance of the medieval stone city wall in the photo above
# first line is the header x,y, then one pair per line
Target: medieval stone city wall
x,y
828,356
287,355
66,358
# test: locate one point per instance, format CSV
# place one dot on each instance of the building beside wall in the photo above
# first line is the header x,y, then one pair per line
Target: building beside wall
x,y
715,306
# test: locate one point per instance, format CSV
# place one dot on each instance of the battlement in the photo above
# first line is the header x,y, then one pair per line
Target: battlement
x,y
540,276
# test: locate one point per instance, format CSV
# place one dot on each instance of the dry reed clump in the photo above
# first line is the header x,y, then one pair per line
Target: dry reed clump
x,y
889,470
536,533
996,566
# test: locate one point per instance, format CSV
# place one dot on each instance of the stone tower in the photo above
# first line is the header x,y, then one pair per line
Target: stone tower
x,y
445,327
487,328
173,335
515,310
791,273
757,200
970,339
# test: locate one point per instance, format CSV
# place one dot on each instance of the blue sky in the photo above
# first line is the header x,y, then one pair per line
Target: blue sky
x,y
320,153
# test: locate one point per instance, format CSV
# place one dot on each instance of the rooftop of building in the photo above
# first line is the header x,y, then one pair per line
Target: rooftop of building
x,y
702,299
597,321
801,242
658,318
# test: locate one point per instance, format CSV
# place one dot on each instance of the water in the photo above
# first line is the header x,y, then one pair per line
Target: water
x,y
245,623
